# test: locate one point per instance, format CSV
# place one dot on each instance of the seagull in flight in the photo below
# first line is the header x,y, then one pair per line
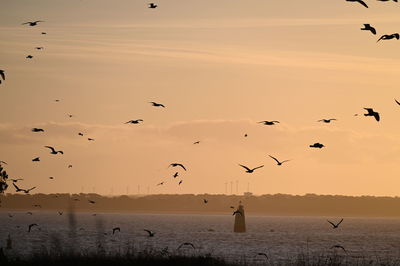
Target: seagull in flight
x,y
17,189
370,28
116,229
237,211
371,112
53,151
262,254
70,166
32,23
248,170
334,226
152,5
151,234
137,121
180,182
327,120
359,1
397,101
317,145
176,175
186,244
30,227
35,129
389,37
37,159
157,104
161,183
205,201
268,123
277,161
29,57
339,246
196,142
91,201
60,213
80,134
177,164
90,139
39,48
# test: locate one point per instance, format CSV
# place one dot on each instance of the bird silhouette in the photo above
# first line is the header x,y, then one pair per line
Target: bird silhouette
x,y
397,101
29,213
30,227
339,246
29,57
60,213
268,123
90,139
32,23
157,104
137,121
161,183
389,37
371,112
2,75
70,116
177,164
80,134
51,177
151,234
16,180
37,205
10,215
43,33
334,226
370,28
180,182
70,166
237,212
317,145
245,135
186,244
91,201
196,142
205,201
37,159
152,5
35,129
18,189
116,229
248,170
327,120
176,175
359,1
262,254
277,161
53,151
39,48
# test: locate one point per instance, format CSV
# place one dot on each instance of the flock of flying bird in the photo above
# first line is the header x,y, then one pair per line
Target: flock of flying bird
x,y
54,151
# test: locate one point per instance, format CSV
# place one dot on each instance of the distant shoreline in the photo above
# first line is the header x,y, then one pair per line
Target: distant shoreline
x,y
265,205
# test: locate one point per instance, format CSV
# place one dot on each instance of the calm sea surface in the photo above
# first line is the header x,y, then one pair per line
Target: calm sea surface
x,y
279,237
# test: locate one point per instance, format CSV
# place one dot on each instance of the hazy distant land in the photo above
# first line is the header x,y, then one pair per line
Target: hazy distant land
x,y
274,205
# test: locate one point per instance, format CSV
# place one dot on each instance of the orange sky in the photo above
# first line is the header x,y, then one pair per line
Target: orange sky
x,y
219,67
